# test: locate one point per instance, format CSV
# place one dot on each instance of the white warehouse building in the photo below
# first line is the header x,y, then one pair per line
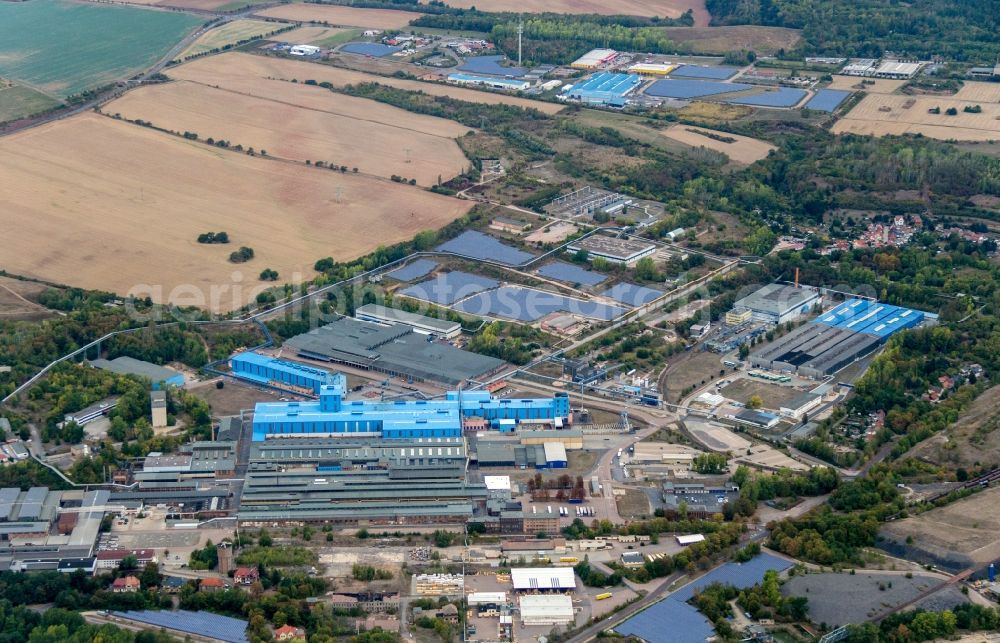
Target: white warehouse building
x,y
777,304
546,609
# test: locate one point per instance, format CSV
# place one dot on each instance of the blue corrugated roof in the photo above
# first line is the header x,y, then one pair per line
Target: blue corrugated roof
x,y
871,317
673,620
223,628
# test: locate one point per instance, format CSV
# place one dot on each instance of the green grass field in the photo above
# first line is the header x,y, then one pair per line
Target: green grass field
x,y
63,48
18,101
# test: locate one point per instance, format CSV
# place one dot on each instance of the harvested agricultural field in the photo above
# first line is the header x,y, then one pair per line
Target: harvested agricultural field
x,y
124,205
662,8
240,71
319,36
341,16
303,122
63,48
741,150
870,85
18,101
884,114
229,34
764,41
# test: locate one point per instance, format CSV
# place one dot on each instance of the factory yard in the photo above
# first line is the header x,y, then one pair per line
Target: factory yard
x,y
895,114
841,598
964,532
341,16
661,8
243,72
743,149
116,183
301,122
229,34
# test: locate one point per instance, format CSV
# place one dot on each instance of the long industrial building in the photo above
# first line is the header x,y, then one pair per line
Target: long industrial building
x,y
279,373
359,482
333,416
836,339
395,350
45,529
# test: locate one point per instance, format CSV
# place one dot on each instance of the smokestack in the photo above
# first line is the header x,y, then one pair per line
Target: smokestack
x,y
796,277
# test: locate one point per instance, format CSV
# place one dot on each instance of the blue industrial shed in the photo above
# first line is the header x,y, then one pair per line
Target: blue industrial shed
x,y
871,317
605,88
279,373
334,416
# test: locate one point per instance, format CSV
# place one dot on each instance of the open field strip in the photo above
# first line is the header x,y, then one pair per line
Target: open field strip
x,y
122,206
342,16
879,86
229,34
302,122
719,40
202,5
883,114
319,36
236,69
63,48
17,101
743,150
662,8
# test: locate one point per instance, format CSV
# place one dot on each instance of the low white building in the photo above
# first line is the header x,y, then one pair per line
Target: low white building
x,y
543,578
800,405
304,50
546,609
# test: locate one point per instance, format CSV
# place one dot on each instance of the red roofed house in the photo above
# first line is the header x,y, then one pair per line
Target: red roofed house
x,y
246,575
125,584
287,633
211,585
112,558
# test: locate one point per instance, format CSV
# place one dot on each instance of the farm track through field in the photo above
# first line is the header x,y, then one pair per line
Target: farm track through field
x,y
323,111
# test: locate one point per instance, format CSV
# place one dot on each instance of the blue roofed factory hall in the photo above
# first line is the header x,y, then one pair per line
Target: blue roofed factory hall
x,y
333,416
837,338
281,374
605,88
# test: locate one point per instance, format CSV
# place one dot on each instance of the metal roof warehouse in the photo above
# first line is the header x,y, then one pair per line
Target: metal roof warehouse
x,y
539,578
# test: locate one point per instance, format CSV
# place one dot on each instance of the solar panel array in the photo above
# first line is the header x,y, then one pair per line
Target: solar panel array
x,y
670,88
698,71
413,270
491,65
827,100
674,620
632,294
561,271
223,628
375,49
481,246
447,288
527,304
780,97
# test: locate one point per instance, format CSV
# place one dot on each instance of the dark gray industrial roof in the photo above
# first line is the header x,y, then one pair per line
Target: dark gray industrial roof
x,y
402,317
776,298
394,349
125,365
